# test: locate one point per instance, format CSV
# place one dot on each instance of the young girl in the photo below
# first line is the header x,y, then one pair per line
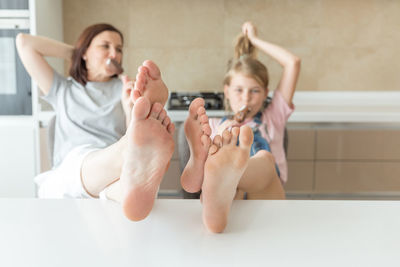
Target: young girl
x,y
245,84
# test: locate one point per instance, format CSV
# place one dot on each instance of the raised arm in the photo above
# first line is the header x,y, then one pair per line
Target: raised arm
x,y
33,50
289,62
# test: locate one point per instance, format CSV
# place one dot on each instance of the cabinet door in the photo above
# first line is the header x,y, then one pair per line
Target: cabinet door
x,y
15,87
14,4
17,158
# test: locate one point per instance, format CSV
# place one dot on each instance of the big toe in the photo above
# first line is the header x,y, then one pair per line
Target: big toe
x,y
245,137
195,105
154,70
141,109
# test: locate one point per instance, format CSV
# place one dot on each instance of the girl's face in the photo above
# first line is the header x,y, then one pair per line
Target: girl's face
x,y
244,90
105,45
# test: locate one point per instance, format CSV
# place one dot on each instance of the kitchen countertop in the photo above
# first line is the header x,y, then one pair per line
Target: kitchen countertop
x,y
92,232
325,107
309,114
304,114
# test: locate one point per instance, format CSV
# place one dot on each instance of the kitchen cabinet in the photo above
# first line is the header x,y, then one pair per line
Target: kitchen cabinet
x,y
17,154
325,160
19,124
344,161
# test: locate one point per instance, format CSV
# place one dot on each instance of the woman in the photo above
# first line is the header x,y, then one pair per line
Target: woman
x,y
93,110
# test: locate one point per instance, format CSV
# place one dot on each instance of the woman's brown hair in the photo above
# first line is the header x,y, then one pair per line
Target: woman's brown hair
x,y
78,69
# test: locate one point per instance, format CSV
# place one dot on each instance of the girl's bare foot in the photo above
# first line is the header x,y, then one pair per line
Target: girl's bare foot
x,y
197,132
149,84
149,149
223,169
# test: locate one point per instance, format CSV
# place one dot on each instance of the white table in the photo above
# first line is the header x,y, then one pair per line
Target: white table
x,y
260,233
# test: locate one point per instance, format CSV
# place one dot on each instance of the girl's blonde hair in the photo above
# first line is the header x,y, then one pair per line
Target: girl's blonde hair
x,y
246,63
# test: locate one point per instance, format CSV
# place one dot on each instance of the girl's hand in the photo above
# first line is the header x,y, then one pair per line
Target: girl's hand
x,y
127,87
250,30
227,124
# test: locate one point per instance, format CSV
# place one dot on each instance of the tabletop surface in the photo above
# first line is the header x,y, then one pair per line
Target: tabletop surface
x,y
71,232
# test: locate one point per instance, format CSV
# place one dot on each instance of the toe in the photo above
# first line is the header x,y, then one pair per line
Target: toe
x,y
201,110
141,109
154,71
235,133
144,70
206,129
213,149
203,119
142,74
135,94
245,137
205,141
226,137
194,106
156,110
166,121
162,115
218,141
139,85
171,128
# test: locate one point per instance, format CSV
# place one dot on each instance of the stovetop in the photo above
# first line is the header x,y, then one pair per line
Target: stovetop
x,y
182,100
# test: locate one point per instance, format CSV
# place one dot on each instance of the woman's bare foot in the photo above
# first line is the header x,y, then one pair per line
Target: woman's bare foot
x,y
149,149
149,84
223,169
197,132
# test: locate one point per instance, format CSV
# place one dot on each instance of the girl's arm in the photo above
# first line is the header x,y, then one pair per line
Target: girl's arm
x,y
33,50
289,62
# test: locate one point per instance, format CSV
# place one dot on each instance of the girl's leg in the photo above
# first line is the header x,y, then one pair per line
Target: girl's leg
x,y
273,191
223,169
197,132
260,177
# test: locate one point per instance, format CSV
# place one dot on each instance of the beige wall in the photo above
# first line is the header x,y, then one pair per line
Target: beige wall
x,y
344,44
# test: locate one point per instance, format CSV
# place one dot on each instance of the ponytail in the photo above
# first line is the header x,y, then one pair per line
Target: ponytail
x,y
246,63
244,48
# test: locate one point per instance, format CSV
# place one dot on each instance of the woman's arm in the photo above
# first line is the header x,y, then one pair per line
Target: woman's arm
x,y
33,50
289,62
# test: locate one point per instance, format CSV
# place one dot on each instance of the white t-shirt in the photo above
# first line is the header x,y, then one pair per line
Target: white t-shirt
x,y
90,114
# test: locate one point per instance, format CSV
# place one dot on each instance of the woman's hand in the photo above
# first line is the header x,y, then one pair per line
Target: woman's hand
x,y
250,30
33,49
126,100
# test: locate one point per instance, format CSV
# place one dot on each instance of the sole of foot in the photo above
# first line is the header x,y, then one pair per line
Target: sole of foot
x,y
223,169
197,131
149,150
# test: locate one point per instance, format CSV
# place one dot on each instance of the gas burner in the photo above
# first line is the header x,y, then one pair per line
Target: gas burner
x,y
181,100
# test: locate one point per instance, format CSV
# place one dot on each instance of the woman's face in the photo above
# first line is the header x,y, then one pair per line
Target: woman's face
x,y
245,91
105,45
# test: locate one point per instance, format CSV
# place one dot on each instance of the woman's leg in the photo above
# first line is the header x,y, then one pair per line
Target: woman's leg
x,y
103,167
150,146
